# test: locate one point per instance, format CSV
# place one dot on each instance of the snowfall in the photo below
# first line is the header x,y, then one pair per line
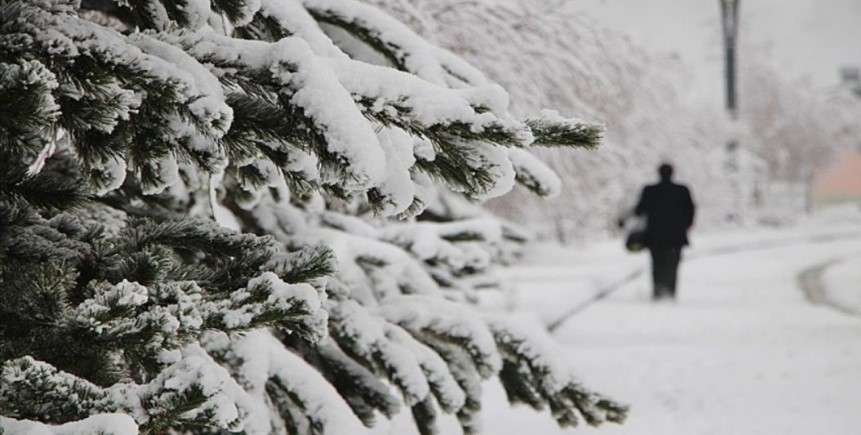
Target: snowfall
x,y
765,337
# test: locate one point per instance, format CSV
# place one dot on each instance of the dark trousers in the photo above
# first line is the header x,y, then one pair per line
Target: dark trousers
x,y
665,266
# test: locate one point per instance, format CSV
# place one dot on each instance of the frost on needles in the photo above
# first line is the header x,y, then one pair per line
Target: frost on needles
x,y
228,215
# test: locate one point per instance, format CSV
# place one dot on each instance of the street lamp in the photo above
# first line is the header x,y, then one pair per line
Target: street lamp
x,y
729,19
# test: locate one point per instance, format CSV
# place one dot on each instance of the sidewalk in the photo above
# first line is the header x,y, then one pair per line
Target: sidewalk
x,y
742,352
588,270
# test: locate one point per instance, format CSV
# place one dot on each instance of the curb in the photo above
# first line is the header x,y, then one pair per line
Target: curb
x,y
816,292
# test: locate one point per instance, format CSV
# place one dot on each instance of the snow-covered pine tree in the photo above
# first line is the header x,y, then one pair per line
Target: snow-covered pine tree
x,y
207,222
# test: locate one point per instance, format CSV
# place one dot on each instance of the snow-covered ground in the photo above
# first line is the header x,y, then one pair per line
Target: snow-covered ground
x,y
743,351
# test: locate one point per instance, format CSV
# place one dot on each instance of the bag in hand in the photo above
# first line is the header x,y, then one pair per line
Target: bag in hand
x,y
635,240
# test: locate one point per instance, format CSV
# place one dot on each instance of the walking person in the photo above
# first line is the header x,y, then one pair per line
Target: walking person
x,y
669,213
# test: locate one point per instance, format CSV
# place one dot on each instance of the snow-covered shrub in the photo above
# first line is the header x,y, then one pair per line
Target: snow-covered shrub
x,y
207,222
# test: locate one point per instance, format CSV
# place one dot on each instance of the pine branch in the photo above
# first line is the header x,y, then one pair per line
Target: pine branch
x,y
555,131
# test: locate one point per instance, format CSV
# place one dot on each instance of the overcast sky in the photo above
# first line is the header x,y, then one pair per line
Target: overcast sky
x,y
810,38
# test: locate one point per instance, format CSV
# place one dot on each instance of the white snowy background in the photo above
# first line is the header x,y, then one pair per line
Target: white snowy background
x,y
808,38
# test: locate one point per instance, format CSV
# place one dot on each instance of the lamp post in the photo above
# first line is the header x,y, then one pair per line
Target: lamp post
x,y
729,22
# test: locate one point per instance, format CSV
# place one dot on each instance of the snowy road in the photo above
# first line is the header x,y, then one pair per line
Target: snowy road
x,y
742,352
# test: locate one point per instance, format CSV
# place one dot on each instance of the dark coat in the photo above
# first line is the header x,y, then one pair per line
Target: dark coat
x,y
669,212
